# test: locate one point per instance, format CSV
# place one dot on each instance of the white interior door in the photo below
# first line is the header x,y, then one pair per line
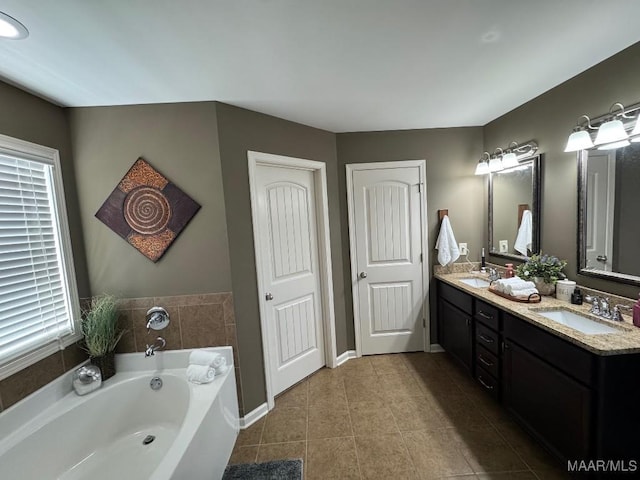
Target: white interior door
x,y
600,209
386,225
286,214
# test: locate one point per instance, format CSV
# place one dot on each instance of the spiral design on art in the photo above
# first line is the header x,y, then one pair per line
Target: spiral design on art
x,y
146,210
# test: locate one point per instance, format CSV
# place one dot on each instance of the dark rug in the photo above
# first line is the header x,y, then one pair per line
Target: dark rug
x,y
276,470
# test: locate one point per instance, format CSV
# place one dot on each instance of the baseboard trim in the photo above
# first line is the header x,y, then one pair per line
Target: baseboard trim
x,y
436,348
348,355
254,415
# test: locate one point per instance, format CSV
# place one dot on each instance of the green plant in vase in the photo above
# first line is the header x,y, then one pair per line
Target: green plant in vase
x,y
102,332
543,270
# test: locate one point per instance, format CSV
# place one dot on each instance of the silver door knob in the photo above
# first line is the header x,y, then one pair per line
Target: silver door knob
x,y
363,274
601,258
269,297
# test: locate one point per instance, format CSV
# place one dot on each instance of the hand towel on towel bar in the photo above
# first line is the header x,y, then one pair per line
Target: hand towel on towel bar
x,y
446,244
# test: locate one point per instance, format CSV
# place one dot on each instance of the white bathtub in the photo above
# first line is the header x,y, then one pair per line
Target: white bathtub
x,y
56,434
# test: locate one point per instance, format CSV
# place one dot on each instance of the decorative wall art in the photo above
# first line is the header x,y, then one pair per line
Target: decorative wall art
x,y
147,210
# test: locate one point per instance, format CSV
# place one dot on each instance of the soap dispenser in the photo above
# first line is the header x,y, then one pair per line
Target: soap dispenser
x,y
636,313
510,272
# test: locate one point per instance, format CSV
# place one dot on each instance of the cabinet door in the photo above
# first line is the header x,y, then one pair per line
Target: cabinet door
x,y
551,404
455,333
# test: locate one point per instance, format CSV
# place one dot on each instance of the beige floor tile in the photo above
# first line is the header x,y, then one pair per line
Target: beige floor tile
x,y
363,390
372,418
490,408
282,451
327,422
388,364
527,475
357,368
296,396
384,457
458,411
486,450
527,448
331,377
399,386
416,413
333,396
251,435
436,454
285,425
420,362
244,454
558,474
332,459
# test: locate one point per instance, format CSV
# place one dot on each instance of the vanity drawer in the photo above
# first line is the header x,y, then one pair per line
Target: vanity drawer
x,y
487,361
487,314
462,300
487,382
487,338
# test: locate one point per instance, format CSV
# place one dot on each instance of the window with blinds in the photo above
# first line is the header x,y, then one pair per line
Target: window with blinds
x,y
38,303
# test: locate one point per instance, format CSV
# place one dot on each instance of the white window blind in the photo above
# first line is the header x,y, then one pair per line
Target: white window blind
x,y
35,305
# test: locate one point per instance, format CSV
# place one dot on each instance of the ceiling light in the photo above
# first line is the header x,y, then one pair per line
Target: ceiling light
x,y
612,130
12,28
483,165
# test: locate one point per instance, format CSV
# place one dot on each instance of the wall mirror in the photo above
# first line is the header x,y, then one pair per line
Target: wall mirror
x,y
514,210
608,201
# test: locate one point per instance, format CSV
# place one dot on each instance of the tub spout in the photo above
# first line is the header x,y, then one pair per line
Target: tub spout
x,y
159,344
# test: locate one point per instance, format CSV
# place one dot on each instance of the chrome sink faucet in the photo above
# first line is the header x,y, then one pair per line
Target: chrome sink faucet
x,y
159,344
493,275
601,307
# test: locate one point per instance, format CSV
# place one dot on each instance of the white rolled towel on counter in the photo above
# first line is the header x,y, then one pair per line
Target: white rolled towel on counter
x,y
526,292
520,287
200,374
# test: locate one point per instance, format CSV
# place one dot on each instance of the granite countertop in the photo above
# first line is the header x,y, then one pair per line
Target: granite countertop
x,y
626,341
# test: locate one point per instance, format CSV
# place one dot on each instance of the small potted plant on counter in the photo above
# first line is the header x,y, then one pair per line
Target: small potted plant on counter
x,y
544,271
102,333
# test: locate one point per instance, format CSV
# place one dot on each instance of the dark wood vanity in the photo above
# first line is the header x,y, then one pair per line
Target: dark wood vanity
x,y
580,405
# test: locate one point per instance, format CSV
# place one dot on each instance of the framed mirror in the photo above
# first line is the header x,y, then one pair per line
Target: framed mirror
x,y
514,210
608,227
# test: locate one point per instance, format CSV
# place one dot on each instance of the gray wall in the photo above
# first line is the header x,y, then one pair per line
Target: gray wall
x,y
241,130
549,119
180,140
30,118
451,155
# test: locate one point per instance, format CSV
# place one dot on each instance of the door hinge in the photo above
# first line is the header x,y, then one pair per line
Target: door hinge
x,y
420,258
424,323
420,187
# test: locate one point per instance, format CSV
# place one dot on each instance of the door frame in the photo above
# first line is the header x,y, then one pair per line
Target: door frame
x,y
422,166
318,169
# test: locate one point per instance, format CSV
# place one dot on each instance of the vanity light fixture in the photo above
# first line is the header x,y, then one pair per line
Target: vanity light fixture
x,y
495,163
11,28
635,133
510,159
483,165
612,131
580,139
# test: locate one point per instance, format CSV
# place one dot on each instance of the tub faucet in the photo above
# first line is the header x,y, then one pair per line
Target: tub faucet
x,y
159,344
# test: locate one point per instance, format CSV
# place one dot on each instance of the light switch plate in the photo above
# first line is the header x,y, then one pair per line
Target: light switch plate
x,y
504,246
463,249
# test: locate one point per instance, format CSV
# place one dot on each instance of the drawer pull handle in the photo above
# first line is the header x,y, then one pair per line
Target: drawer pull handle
x,y
485,315
486,339
484,384
486,362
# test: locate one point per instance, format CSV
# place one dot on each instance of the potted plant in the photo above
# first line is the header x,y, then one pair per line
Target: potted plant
x,y
543,270
102,333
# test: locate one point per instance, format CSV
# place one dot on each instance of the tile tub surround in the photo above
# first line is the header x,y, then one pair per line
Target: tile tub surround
x,y
409,416
627,341
201,320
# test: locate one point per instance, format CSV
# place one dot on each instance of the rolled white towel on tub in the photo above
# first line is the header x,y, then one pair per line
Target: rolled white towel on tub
x,y
200,374
210,359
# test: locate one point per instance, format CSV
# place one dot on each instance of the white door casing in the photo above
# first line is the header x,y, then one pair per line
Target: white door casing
x,y
291,235
388,256
601,168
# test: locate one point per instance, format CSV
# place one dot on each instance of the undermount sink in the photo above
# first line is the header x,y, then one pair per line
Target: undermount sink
x,y
577,322
475,282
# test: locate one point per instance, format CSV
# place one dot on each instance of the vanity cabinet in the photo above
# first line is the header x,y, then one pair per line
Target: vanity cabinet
x,y
455,326
579,405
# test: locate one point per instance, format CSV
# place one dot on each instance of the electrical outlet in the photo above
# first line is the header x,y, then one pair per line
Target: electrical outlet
x,y
463,249
504,246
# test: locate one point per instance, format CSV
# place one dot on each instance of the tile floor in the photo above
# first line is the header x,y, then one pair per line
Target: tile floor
x,y
402,416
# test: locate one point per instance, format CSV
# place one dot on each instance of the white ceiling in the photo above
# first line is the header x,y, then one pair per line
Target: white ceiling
x,y
340,65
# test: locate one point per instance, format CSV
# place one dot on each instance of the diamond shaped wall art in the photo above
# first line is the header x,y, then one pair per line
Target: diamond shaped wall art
x,y
147,210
